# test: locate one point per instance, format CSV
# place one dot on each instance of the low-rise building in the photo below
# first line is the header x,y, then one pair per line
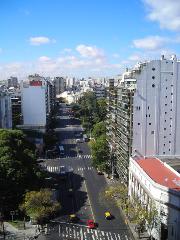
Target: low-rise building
x,y
155,181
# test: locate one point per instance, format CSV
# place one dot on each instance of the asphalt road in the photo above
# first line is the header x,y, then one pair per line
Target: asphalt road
x,y
87,186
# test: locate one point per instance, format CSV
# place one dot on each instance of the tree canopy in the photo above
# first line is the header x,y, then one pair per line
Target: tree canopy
x,y
100,152
99,129
18,168
40,206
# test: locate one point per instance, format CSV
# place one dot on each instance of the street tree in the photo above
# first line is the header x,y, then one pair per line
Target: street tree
x,y
102,109
99,129
40,206
18,168
100,151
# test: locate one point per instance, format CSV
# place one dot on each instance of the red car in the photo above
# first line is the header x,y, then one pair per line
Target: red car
x,y
91,224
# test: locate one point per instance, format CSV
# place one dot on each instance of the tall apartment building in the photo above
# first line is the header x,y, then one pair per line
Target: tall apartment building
x,y
5,109
99,90
111,121
37,103
124,131
155,164
60,85
156,115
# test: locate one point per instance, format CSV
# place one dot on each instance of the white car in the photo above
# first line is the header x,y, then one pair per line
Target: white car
x,y
79,140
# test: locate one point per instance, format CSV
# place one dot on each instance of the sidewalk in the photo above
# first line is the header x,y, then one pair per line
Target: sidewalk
x,y
15,234
144,235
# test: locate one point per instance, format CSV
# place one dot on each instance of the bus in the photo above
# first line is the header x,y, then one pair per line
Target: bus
x,y
61,150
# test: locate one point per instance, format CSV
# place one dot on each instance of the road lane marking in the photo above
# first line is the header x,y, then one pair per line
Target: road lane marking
x,y
89,199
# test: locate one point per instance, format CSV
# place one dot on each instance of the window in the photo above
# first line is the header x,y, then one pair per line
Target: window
x,y
153,85
138,123
149,123
171,101
148,107
166,104
163,152
171,73
170,126
164,136
149,115
166,96
139,108
171,93
153,77
171,85
164,128
166,88
146,115
153,69
164,144
169,149
166,79
152,132
169,141
165,120
171,110
165,112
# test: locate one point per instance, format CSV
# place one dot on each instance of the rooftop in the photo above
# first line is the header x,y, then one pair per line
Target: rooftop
x,y
160,173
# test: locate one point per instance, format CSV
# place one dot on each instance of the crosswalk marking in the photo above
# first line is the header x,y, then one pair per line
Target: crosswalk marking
x,y
75,232
56,169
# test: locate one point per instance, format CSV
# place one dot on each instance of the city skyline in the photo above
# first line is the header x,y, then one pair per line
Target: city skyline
x,y
85,38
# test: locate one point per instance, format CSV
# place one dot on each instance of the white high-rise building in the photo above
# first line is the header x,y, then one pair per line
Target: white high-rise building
x,y
37,102
156,114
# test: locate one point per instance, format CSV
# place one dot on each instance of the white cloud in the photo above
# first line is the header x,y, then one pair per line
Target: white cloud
x,y
67,50
1,50
89,51
150,43
134,57
116,55
36,41
44,59
166,12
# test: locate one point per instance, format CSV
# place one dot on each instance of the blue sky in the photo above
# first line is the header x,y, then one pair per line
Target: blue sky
x,y
85,37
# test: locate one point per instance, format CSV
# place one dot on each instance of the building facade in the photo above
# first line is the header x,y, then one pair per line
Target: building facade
x,y
37,103
5,109
156,129
60,85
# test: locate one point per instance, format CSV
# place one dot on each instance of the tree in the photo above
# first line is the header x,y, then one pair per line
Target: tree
x,y
100,151
102,109
18,168
40,206
99,129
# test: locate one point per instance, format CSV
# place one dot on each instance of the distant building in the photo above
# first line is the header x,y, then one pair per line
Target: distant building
x,y
60,85
99,90
12,82
156,182
5,109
